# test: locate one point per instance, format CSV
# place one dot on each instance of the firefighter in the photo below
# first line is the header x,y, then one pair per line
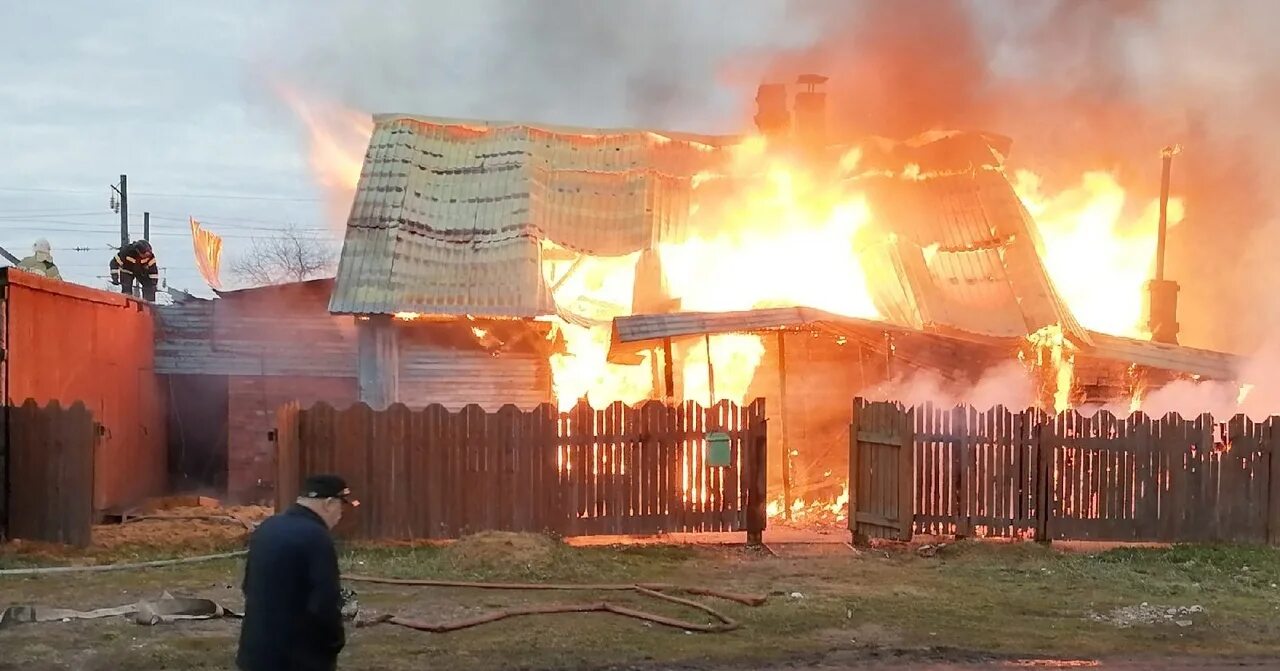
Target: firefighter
x,y
136,261
41,261
292,596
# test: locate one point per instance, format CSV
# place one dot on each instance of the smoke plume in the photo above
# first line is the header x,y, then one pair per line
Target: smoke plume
x,y
569,62
1083,85
1007,384
1078,84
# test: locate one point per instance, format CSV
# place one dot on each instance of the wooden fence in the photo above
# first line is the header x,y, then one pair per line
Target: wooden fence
x,y
433,473
50,472
1027,473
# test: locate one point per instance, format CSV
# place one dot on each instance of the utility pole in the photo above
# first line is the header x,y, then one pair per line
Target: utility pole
x,y
146,226
122,206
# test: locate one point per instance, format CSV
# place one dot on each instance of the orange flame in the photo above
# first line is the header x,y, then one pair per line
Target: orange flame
x,y
772,233
1097,261
337,139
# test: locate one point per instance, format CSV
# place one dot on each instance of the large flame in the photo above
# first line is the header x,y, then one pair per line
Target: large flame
x,y
1098,261
337,139
595,290
770,232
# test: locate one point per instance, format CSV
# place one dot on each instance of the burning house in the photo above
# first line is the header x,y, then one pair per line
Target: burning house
x,y
496,262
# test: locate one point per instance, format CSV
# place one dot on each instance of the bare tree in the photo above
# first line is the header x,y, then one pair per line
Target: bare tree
x,y
291,256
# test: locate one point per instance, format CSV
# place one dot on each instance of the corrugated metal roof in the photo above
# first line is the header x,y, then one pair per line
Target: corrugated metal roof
x,y
641,328
933,350
448,217
940,353
272,331
963,246
1189,360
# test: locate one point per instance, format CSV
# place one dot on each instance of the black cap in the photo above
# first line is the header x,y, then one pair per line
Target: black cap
x,y
327,487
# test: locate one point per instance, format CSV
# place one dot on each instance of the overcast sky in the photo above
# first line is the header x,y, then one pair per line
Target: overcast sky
x,y
178,96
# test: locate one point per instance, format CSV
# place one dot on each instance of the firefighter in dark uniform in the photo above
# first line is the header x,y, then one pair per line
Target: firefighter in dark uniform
x,y
136,262
293,598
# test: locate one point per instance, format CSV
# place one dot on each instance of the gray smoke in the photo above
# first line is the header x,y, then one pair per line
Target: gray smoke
x,y
651,63
1091,84
1078,84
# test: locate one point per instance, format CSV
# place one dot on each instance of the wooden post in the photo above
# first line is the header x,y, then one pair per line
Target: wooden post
x,y
287,439
960,461
782,420
668,372
853,471
758,475
906,473
378,361
1044,434
888,355
711,372
1269,434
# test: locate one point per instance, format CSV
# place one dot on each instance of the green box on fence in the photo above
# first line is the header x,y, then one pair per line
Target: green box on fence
x,y
718,452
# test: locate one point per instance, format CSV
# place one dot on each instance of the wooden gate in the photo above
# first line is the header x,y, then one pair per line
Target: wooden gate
x,y
880,471
434,473
50,472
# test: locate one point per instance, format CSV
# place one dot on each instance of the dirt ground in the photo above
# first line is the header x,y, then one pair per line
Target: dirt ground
x,y
954,606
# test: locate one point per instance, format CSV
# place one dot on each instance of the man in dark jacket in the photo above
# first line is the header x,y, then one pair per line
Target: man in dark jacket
x,y
292,594
136,262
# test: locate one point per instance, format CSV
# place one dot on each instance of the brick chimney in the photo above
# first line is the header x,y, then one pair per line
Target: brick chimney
x,y
773,119
811,112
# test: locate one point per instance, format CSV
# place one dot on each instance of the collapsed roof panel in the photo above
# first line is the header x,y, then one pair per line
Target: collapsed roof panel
x,y
959,242
448,218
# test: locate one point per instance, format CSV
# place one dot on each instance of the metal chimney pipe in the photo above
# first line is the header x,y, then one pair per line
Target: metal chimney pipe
x,y
1162,294
1167,155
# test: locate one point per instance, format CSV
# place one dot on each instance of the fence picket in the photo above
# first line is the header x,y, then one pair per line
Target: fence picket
x,y
434,473
1063,476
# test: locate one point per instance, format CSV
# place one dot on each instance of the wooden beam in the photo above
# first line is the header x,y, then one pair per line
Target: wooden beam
x,y
12,259
782,422
711,372
668,372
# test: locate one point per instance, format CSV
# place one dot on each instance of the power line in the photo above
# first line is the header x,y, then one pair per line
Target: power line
x,y
80,227
239,223
25,189
157,194
8,216
237,228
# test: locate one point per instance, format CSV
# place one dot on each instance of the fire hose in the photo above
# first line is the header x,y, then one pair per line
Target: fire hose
x,y
653,590
186,608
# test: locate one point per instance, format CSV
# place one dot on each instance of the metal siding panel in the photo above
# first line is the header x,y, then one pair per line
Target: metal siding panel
x,y
456,378
271,331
